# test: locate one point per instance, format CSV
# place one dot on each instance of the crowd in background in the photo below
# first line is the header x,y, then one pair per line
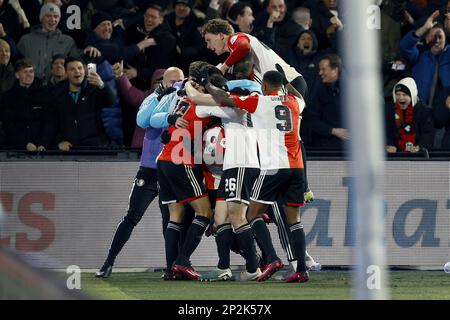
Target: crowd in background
x,y
49,99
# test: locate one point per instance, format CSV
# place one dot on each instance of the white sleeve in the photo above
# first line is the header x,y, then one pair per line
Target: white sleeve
x,y
222,113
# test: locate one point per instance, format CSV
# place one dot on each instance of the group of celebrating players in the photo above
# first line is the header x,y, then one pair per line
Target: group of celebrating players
x,y
232,153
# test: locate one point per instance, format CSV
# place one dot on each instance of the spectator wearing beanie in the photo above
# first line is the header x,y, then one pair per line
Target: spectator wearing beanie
x,y
46,40
409,122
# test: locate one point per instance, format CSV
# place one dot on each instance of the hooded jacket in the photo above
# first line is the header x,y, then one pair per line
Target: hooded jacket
x,y
41,46
424,64
308,65
422,118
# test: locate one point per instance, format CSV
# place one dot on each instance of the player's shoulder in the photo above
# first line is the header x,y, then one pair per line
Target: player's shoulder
x,y
235,36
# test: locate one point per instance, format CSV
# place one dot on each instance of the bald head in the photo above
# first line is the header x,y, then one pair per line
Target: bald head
x,y
171,76
5,52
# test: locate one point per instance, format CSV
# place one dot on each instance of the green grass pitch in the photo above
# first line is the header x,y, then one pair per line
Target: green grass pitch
x,y
324,285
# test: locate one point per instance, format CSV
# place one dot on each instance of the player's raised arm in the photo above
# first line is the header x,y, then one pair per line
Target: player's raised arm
x,y
198,97
221,97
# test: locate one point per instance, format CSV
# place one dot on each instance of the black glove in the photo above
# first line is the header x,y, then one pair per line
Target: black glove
x,y
165,137
280,70
166,92
172,118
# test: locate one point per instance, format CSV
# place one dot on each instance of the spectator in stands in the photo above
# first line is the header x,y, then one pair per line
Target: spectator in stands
x,y
23,108
302,17
134,97
10,21
326,20
46,40
7,77
241,17
409,122
110,41
305,57
161,54
324,117
75,109
185,26
58,71
274,26
431,66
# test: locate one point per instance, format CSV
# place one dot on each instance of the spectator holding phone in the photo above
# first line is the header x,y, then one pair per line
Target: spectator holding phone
x,y
74,118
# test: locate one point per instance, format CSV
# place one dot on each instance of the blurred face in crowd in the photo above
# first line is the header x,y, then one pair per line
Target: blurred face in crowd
x,y
245,21
216,42
152,19
436,39
403,99
328,74
50,21
104,30
58,69
1,2
330,4
25,76
172,76
305,43
5,53
182,10
75,73
277,5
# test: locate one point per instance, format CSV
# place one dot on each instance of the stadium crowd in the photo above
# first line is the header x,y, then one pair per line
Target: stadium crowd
x,y
48,102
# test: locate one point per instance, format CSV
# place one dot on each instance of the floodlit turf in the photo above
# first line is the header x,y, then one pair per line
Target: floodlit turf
x,y
325,285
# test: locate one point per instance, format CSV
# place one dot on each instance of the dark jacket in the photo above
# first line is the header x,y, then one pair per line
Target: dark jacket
x,y
423,125
79,123
189,40
113,50
308,65
441,115
112,116
7,77
160,56
22,112
424,64
324,114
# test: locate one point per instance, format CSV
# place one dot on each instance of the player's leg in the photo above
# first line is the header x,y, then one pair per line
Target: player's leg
x,y
143,192
239,182
189,188
176,213
293,198
224,240
265,192
298,242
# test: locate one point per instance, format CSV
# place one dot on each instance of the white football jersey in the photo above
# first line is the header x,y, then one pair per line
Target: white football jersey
x,y
240,140
276,119
265,58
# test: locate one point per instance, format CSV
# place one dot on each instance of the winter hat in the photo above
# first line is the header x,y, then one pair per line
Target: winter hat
x,y
409,87
98,18
48,8
402,88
